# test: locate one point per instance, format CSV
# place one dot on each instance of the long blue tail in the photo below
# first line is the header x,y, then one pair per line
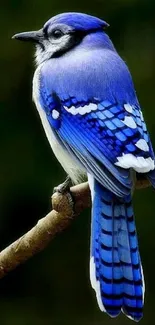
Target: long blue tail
x,y
115,266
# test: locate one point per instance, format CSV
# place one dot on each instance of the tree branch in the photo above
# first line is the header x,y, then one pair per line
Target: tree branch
x,y
65,208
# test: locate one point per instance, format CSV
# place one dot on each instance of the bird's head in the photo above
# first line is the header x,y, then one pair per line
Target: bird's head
x,y
61,33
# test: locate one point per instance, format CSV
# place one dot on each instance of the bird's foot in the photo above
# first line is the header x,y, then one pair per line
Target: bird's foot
x,y
64,187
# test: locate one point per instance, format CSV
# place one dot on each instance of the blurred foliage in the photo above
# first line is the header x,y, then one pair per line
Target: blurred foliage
x,y
53,287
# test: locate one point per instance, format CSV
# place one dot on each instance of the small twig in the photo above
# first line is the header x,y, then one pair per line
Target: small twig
x,y
65,208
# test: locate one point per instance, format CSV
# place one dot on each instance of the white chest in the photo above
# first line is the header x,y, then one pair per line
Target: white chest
x,y
70,165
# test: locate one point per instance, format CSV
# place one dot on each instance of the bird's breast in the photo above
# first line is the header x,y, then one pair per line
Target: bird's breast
x,y
70,165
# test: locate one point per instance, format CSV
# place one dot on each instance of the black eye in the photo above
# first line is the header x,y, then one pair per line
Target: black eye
x,y
57,33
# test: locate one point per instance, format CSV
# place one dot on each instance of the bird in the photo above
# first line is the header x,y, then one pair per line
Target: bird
x,y
91,115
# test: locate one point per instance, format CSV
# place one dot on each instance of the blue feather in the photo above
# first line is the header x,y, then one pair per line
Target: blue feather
x,y
106,122
114,249
78,21
87,151
103,133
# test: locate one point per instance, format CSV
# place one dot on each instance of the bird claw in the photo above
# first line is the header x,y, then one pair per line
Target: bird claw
x,y
64,187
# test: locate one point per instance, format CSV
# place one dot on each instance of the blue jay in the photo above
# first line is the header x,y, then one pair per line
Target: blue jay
x,y
87,103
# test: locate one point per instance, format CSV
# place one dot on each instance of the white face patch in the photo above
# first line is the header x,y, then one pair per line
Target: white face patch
x,y
128,108
139,164
50,48
81,110
55,114
95,284
129,121
142,144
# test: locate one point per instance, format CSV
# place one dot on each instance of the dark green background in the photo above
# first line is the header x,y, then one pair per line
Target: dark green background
x,y
53,287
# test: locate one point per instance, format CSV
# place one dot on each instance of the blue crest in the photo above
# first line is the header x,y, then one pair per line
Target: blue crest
x,y
78,21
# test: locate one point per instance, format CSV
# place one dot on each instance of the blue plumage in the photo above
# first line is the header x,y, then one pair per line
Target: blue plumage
x,y
86,99
115,252
82,22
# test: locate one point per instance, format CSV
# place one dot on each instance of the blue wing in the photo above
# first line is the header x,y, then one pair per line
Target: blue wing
x,y
108,138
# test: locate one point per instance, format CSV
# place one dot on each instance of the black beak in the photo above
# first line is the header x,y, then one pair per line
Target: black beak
x,y
35,36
